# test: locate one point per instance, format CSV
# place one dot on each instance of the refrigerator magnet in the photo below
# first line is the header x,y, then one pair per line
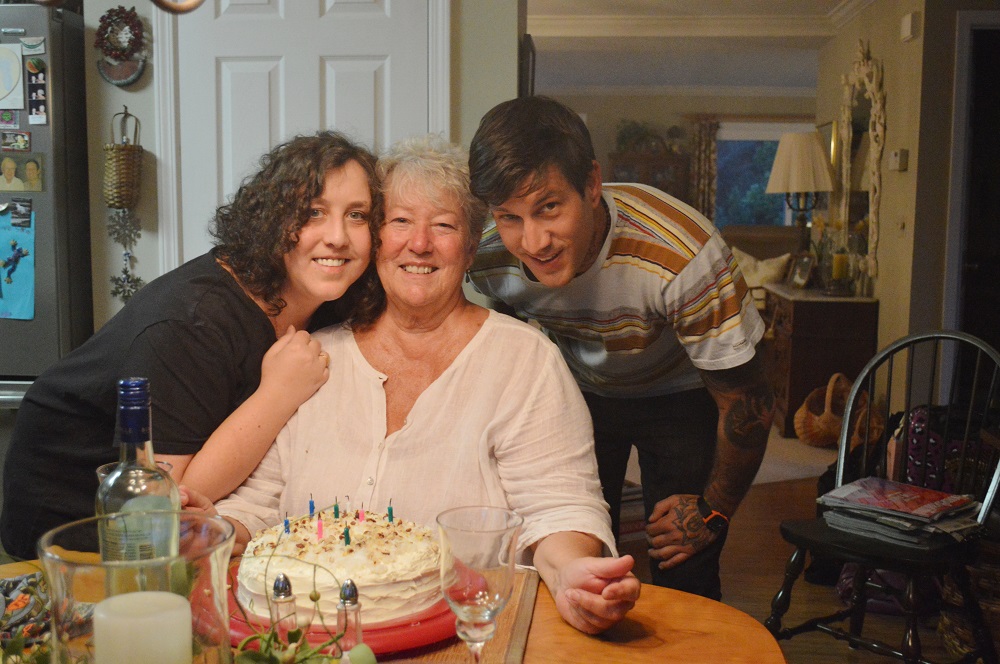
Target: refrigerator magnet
x,y
33,45
15,141
10,119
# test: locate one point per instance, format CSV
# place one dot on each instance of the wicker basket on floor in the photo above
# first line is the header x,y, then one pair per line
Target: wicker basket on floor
x,y
984,573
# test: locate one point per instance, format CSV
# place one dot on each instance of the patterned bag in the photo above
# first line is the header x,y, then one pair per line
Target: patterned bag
x,y
927,454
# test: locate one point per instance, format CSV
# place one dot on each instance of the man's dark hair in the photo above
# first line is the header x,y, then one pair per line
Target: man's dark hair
x,y
261,224
518,140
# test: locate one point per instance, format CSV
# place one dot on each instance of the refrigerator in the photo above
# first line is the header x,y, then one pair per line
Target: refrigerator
x,y
46,306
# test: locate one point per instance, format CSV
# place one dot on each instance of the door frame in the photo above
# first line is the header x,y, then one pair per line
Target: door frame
x,y
167,118
966,23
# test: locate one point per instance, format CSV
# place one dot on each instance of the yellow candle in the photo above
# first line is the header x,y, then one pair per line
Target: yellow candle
x,y
152,627
839,266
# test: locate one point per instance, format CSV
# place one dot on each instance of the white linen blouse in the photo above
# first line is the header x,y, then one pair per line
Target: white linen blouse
x,y
504,425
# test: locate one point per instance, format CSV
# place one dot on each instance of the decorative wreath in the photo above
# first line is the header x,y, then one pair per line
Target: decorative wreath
x,y
119,34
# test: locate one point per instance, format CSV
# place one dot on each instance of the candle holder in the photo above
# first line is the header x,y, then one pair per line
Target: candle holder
x,y
167,609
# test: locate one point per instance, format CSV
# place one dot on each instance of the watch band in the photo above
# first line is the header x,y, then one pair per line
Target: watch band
x,y
714,520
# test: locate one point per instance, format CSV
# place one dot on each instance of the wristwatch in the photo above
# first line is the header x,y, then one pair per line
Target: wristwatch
x,y
714,520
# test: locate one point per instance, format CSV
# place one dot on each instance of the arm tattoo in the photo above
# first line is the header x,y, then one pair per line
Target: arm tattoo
x,y
746,408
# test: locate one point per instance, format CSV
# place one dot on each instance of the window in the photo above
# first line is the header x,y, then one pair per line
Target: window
x,y
745,153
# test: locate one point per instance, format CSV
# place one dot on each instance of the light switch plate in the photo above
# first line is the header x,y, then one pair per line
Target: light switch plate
x,y
899,159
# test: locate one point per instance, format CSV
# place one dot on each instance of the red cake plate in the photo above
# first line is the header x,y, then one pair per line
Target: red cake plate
x,y
431,625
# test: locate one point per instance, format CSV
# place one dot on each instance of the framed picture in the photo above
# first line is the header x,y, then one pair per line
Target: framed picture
x,y
801,270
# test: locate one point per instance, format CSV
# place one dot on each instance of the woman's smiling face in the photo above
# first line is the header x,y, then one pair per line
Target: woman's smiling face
x,y
334,246
425,250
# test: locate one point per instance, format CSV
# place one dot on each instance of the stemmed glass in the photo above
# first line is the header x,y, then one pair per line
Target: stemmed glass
x,y
478,545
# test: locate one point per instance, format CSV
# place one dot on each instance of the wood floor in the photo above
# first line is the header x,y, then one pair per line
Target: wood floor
x,y
752,570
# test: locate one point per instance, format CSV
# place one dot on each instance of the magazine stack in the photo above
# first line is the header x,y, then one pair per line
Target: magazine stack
x,y
899,513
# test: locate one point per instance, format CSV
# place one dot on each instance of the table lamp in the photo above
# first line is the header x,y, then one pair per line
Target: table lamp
x,y
802,168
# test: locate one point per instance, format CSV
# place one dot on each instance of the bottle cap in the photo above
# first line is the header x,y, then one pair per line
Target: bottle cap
x,y
348,593
282,586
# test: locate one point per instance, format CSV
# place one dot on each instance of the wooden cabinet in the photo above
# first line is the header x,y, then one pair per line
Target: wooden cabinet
x,y
815,336
666,169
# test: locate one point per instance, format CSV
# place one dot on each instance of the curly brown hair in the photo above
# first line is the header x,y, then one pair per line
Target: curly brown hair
x,y
260,225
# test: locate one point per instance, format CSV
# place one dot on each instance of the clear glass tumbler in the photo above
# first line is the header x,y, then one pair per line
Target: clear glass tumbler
x,y
167,610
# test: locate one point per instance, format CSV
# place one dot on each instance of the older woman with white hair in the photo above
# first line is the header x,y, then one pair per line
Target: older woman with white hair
x,y
434,402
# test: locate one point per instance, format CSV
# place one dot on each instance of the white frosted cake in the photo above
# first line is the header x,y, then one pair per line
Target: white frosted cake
x,y
394,565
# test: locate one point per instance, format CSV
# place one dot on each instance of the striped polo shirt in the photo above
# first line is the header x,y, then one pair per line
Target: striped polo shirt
x,y
666,297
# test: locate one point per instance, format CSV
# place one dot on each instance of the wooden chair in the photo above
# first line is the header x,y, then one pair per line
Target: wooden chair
x,y
956,375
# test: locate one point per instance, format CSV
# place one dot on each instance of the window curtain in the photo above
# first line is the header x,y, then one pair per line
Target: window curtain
x,y
703,169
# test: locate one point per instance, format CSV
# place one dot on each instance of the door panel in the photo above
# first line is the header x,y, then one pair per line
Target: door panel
x,y
254,73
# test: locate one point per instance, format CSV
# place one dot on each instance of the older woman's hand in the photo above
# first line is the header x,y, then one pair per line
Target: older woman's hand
x,y
591,593
193,501
596,593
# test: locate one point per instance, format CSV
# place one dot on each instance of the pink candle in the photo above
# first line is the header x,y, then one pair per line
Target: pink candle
x,y
319,527
361,513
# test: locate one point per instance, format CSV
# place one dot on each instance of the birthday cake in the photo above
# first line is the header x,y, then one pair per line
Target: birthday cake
x,y
393,563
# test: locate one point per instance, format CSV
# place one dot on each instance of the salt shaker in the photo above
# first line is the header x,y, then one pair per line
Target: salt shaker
x,y
349,616
283,603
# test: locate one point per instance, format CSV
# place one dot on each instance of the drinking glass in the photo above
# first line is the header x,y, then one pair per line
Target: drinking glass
x,y
157,611
478,545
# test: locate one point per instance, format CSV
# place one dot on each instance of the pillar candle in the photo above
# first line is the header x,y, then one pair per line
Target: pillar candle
x,y
153,627
839,266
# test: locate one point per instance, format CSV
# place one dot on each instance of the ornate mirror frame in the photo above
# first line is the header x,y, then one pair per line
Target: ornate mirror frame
x,y
865,77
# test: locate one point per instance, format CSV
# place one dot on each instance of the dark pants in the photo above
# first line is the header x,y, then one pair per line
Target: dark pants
x,y
675,436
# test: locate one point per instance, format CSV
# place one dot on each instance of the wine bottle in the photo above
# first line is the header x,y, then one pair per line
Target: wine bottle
x,y
137,484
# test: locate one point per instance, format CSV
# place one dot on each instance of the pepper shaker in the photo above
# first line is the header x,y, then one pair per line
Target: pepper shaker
x,y
349,616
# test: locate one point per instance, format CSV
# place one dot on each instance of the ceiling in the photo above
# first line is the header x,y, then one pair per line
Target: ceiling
x,y
723,47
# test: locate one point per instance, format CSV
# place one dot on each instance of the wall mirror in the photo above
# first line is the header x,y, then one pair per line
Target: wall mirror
x,y
861,141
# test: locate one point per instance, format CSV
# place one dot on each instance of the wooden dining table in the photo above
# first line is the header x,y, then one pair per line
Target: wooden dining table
x,y
665,626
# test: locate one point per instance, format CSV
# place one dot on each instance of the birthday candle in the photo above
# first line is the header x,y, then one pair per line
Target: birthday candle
x,y
347,536
390,510
361,513
286,523
336,509
312,506
319,528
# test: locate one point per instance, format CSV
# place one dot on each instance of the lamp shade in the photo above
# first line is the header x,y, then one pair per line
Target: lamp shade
x,y
800,165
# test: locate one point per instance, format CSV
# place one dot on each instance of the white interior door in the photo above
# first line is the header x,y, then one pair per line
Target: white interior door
x,y
253,73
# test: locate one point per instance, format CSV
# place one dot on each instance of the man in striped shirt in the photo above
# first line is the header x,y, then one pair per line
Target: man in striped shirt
x,y
652,315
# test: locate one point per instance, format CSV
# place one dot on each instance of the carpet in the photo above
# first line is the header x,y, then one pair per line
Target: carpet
x,y
791,459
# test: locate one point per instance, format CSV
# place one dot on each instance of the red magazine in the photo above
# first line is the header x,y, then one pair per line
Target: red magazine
x,y
889,497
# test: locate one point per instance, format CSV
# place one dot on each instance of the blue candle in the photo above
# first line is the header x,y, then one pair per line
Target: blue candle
x,y
312,506
286,523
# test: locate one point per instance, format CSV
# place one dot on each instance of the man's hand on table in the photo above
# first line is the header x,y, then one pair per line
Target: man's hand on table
x,y
596,593
676,530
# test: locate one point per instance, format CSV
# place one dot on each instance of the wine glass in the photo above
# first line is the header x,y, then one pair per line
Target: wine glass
x,y
478,545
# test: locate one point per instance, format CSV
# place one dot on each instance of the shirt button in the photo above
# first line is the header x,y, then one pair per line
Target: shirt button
x,y
371,480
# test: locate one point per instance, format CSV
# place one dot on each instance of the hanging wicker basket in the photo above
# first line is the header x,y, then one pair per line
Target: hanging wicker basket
x,y
122,163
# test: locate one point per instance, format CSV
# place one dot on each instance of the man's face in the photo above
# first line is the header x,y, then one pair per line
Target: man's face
x,y
8,170
552,229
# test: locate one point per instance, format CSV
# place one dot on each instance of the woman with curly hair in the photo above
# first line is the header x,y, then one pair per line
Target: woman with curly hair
x,y
221,338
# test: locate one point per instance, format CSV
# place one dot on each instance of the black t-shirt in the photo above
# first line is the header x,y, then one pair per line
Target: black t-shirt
x,y
198,338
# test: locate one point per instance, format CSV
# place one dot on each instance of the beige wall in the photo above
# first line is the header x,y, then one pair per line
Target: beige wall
x,y
604,112
483,73
918,77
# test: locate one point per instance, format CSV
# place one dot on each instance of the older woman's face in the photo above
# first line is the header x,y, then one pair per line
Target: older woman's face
x,y
425,250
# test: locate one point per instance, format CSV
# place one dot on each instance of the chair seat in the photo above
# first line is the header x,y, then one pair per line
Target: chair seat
x,y
817,536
